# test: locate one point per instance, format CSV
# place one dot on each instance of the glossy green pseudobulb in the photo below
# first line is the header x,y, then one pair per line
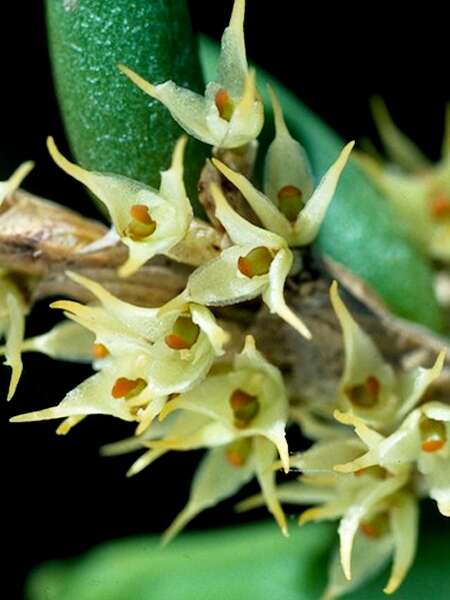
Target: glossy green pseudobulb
x,y
359,230
111,125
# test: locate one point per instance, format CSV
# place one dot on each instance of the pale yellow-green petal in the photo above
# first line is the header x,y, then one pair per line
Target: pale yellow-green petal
x,y
312,215
364,503
239,229
232,67
92,396
187,108
14,339
120,194
219,282
370,556
404,517
264,453
266,211
140,321
286,162
400,148
215,480
248,117
362,358
415,383
9,186
66,341
273,295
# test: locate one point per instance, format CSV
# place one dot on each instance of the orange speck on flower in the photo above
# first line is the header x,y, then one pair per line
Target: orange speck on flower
x,y
245,407
432,445
141,225
374,471
238,452
376,527
126,388
256,262
99,351
440,206
364,395
290,201
184,334
433,434
224,104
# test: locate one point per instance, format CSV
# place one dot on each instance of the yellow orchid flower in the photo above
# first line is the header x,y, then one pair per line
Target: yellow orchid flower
x,y
289,206
418,190
420,441
143,356
148,222
257,263
230,114
370,388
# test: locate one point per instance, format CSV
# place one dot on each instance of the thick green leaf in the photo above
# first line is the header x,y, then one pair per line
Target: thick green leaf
x,y
111,125
252,561
359,230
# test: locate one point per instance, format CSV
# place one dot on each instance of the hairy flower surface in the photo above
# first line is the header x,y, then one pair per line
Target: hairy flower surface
x,y
230,114
149,222
418,190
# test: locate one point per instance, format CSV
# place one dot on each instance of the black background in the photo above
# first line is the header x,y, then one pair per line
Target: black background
x,y
57,496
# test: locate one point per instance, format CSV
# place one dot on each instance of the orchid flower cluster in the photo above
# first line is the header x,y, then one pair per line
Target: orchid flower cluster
x,y
378,446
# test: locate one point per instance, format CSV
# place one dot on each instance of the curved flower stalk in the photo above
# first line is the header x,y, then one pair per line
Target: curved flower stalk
x,y
142,357
370,388
289,206
421,442
257,263
230,114
147,222
418,190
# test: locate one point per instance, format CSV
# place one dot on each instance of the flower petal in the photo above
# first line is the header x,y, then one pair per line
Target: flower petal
x,y
414,384
310,218
232,67
286,161
216,479
264,455
187,108
9,186
66,341
273,295
400,148
14,339
239,229
266,211
404,518
92,396
363,504
120,194
370,556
